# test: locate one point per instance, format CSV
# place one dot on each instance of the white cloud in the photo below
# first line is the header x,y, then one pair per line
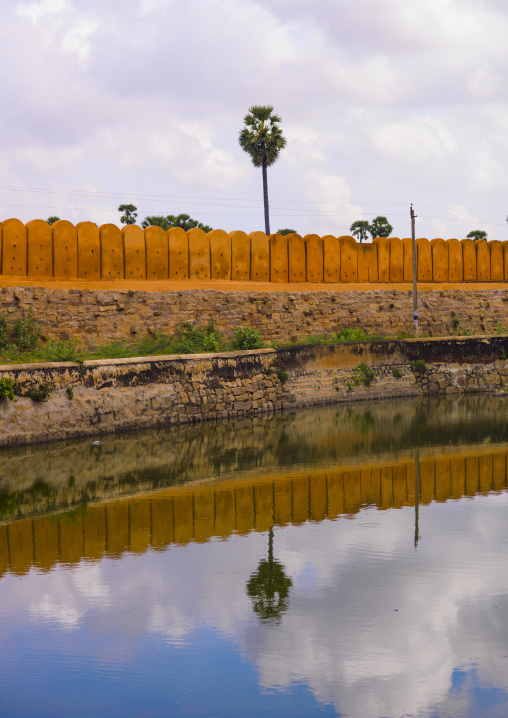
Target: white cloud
x,y
36,10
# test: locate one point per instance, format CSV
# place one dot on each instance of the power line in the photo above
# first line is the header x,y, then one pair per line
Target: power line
x,y
157,197
213,214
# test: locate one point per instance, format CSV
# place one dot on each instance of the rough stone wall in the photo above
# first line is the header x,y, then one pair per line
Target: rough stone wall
x,y
94,317
123,395
129,394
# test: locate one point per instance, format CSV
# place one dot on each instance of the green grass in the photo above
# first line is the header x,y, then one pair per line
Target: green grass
x,y
21,343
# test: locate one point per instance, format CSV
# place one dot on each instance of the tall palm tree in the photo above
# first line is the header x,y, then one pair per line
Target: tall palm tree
x,y
262,139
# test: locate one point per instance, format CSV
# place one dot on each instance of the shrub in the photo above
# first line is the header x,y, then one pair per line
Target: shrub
x,y
61,350
7,389
396,373
194,340
246,338
4,333
349,335
27,331
70,392
363,375
41,394
282,375
419,365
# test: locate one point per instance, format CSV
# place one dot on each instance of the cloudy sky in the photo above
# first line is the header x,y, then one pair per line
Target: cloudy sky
x,y
383,103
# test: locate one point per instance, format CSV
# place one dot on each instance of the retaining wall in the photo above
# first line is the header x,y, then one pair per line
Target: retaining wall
x,y
91,253
95,317
128,394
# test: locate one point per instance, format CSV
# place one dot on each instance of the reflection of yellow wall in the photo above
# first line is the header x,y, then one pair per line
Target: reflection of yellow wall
x,y
37,250
181,515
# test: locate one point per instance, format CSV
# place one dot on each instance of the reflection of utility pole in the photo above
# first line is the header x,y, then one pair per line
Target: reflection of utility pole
x,y
417,495
415,294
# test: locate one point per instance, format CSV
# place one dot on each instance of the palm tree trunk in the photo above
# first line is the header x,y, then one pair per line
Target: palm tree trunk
x,y
265,199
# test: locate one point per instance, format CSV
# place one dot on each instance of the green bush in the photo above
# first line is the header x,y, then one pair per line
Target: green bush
x,y
27,331
396,373
419,365
41,394
4,332
70,392
363,375
349,335
246,338
282,375
193,340
61,350
7,389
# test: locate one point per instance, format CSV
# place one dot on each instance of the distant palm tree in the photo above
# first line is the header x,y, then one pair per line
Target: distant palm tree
x,y
262,139
129,213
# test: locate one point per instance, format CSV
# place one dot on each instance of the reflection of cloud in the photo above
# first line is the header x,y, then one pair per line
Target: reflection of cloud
x,y
349,643
372,626
69,594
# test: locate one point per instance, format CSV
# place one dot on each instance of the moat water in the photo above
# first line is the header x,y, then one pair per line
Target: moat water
x,y
339,561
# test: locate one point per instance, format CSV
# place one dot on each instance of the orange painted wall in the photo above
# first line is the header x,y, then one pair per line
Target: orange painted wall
x,y
88,252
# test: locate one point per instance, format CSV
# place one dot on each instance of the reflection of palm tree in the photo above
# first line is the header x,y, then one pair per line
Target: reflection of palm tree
x,y
269,587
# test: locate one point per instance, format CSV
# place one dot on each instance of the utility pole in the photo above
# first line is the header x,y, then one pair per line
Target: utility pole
x,y
417,496
415,289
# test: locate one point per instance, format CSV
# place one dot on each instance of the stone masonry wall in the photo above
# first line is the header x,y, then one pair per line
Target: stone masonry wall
x,y
99,316
128,394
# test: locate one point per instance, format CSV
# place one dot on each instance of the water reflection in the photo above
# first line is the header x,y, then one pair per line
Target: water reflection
x,y
269,587
289,584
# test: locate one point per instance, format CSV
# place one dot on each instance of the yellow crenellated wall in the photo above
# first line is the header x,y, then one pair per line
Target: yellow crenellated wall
x,y
88,252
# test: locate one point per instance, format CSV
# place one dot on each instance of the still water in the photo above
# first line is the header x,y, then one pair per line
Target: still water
x,y
346,561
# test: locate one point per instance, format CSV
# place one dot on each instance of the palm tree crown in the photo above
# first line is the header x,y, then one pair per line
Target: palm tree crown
x,y
262,139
